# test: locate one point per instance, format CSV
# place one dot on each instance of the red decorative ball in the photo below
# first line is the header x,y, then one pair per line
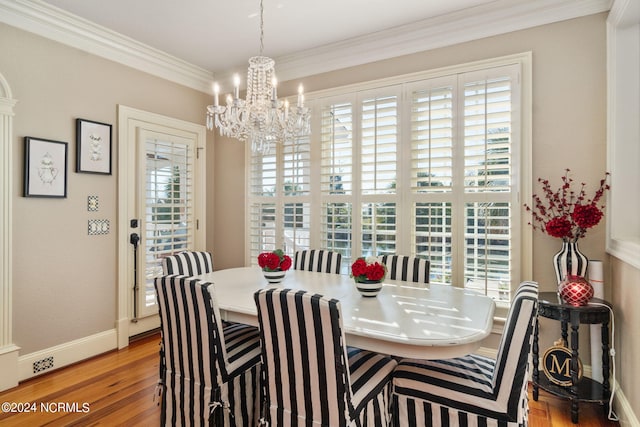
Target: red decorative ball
x,y
575,290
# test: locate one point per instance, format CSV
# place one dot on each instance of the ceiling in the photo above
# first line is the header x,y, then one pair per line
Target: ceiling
x,y
221,34
191,42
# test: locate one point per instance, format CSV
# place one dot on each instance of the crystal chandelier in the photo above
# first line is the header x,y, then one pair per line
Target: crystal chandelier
x,y
260,118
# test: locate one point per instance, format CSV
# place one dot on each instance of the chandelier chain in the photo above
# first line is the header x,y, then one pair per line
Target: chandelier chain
x,y
261,27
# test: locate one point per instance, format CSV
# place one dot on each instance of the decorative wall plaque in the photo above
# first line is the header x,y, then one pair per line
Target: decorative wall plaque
x,y
556,363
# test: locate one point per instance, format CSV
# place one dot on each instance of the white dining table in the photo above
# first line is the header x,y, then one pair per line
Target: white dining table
x,y
405,319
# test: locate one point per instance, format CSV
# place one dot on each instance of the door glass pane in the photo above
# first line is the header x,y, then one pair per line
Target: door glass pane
x,y
169,209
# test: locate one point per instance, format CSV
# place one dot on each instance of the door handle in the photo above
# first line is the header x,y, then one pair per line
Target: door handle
x,y
134,239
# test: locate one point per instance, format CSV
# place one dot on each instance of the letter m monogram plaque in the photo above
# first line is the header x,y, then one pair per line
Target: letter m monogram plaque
x,y
557,365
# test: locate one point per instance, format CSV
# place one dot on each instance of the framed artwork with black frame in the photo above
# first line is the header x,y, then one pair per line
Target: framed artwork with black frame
x,y
93,147
45,168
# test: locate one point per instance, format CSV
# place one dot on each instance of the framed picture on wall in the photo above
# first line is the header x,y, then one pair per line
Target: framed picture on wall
x,y
45,168
93,147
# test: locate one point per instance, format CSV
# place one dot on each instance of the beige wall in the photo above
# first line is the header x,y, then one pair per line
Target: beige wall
x,y
64,281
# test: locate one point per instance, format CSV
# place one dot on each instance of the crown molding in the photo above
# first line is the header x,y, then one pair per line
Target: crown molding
x,y
459,27
56,24
624,13
470,24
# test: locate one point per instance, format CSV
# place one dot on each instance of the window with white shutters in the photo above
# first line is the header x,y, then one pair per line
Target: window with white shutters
x,y
432,238
489,194
432,136
426,167
378,144
378,229
279,194
432,174
336,139
336,230
337,178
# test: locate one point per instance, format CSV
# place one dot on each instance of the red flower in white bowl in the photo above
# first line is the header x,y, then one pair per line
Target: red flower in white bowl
x,y
368,269
274,261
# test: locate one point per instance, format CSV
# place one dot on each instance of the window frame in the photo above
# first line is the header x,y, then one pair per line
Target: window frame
x,y
351,93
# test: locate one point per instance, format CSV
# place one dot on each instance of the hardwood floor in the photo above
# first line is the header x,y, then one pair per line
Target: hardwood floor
x,y
117,388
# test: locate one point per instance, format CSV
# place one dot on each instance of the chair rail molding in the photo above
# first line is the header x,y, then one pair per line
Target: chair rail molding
x,y
8,350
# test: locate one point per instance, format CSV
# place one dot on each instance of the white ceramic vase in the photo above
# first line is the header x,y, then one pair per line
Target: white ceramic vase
x,y
274,277
369,288
569,261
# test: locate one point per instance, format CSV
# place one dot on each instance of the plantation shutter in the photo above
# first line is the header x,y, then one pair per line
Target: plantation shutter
x,y
262,209
336,135
169,215
379,135
431,174
279,194
489,192
336,178
262,228
379,145
169,208
296,213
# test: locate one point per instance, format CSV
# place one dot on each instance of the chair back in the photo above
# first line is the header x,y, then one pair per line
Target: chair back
x,y
192,355
304,359
407,268
512,363
188,263
317,260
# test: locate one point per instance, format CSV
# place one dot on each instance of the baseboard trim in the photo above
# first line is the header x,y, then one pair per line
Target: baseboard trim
x,y
623,409
44,361
8,364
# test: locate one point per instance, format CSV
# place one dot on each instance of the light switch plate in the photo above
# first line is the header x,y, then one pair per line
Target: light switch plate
x,y
92,203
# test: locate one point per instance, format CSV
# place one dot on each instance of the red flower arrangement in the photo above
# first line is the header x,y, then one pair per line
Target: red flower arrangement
x,y
564,213
274,261
368,269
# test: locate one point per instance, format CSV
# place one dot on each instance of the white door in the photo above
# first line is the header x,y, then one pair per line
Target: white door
x,y
163,190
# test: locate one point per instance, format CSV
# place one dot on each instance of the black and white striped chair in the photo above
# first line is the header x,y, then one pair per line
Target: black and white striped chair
x,y
209,374
188,263
310,376
472,390
317,260
407,268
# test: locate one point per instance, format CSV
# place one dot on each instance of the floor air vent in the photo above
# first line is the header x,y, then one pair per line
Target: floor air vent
x,y
43,364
